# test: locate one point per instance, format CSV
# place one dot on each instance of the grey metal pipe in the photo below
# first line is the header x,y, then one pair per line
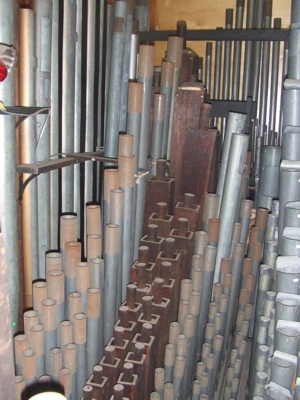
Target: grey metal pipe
x,y
8,206
43,10
248,50
227,57
244,219
157,130
230,198
256,51
68,96
287,274
56,364
145,76
49,322
211,207
217,72
208,67
115,79
236,271
287,306
117,204
287,336
268,187
37,343
237,51
134,114
92,333
265,66
28,146
283,369
141,13
126,165
126,65
174,54
80,341
208,272
166,88
178,377
188,330
134,50
274,83
111,253
140,187
235,124
169,362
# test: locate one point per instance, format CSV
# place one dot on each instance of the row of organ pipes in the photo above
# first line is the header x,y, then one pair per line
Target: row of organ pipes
x,y
148,276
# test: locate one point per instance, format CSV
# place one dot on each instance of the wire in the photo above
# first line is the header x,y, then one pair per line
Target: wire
x,y
39,111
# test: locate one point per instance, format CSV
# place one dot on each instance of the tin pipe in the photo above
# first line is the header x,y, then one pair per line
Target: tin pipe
x,y
56,291
65,380
128,19
244,219
21,343
217,72
70,362
81,356
235,125
201,240
140,189
49,322
55,363
283,368
30,318
208,66
134,50
169,362
111,254
166,88
227,57
72,256
82,283
159,381
66,333
43,11
94,246
157,130
68,96
53,261
236,271
93,219
287,336
28,145
89,100
274,81
115,79
188,330
141,13
134,115
174,54
211,207
208,272
237,157
145,76
256,52
37,344
93,316
178,376
39,292
248,50
111,181
78,117
237,50
117,205
29,367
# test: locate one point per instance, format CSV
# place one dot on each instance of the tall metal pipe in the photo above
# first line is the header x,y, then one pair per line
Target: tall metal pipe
x,y
208,67
145,76
93,316
174,54
256,51
80,341
68,96
248,50
43,11
134,115
235,124
126,165
134,50
237,51
157,130
233,180
166,88
28,145
141,13
72,256
227,57
111,253
217,72
115,79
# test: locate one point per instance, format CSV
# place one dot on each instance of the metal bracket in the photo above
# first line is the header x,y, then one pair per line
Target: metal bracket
x,y
50,165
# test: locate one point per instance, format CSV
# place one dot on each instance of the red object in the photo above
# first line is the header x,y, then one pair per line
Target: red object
x,y
3,71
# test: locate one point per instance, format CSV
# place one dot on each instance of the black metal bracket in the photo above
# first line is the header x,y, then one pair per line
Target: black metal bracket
x,y
248,35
